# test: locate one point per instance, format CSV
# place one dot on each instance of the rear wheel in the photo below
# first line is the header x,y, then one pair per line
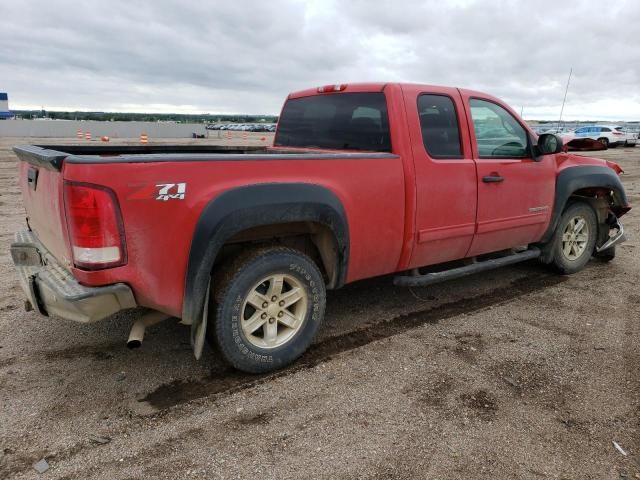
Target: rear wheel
x,y
604,141
268,309
575,238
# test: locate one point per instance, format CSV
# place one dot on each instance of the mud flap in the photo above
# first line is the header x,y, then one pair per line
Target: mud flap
x,y
199,329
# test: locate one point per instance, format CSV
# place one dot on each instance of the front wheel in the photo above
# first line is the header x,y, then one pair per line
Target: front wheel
x,y
575,238
268,309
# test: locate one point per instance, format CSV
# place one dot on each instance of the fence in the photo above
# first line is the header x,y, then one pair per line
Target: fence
x,y
70,128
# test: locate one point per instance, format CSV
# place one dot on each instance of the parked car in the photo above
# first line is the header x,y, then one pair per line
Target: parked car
x,y
605,134
630,138
362,180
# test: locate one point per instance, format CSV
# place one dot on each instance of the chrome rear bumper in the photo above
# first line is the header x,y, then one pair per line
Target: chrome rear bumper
x,y
52,290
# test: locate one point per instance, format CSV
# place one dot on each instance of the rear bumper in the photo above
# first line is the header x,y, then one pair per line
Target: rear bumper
x,y
51,289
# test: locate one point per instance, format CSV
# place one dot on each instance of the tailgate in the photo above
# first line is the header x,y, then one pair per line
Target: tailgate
x,y
40,179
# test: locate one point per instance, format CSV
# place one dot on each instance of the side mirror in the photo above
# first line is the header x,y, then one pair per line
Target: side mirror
x,y
549,143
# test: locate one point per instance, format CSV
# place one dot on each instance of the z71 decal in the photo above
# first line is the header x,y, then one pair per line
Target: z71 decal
x,y
171,191
160,191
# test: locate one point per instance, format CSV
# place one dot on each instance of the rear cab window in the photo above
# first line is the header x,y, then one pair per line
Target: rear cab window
x,y
340,121
439,125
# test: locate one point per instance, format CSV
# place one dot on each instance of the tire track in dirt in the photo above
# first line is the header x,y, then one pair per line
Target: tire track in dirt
x,y
226,380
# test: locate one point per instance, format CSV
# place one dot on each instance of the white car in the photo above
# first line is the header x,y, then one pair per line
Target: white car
x,y
631,138
609,135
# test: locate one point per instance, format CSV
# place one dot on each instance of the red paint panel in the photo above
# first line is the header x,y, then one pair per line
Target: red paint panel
x,y
517,210
44,207
158,233
446,189
514,222
441,233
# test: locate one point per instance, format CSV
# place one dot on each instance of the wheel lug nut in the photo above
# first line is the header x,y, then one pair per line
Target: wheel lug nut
x,y
271,320
281,303
265,305
264,315
274,298
280,314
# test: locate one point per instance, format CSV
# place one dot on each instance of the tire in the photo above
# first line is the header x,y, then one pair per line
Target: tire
x,y
574,239
258,286
604,141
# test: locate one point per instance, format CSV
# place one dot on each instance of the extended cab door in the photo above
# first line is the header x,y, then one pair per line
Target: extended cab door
x,y
515,192
445,175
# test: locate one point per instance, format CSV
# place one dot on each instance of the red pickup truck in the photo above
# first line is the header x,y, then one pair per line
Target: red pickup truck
x,y
431,183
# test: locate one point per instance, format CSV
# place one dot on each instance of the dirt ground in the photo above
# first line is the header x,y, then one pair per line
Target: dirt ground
x,y
514,373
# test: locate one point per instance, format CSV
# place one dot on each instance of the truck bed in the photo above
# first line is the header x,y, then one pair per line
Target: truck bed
x,y
159,234
141,149
52,156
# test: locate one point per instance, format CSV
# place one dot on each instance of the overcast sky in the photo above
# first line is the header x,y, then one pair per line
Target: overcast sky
x,y
245,56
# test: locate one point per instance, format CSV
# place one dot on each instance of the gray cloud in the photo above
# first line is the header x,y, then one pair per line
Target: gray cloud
x,y
246,56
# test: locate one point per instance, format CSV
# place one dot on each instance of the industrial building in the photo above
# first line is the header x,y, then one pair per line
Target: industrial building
x,y
4,107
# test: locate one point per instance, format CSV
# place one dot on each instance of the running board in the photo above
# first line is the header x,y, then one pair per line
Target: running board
x,y
430,278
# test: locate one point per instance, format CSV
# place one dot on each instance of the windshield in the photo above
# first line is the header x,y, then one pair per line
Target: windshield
x,y
344,121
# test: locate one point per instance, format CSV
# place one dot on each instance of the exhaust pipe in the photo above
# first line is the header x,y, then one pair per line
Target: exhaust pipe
x,y
139,326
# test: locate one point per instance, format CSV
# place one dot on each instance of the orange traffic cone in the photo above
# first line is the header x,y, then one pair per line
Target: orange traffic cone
x,y
79,134
87,136
144,139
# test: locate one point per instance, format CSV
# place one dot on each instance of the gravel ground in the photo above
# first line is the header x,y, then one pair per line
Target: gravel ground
x,y
514,373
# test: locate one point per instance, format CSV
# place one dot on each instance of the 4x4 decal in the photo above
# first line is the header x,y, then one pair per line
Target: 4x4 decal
x,y
159,191
171,191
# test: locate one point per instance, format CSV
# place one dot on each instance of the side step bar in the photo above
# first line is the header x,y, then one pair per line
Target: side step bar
x,y
430,278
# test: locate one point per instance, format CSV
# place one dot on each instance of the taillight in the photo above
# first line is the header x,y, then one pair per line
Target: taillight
x,y
95,226
618,133
332,88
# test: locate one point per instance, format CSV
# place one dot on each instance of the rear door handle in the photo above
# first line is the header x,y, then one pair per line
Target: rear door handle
x,y
492,179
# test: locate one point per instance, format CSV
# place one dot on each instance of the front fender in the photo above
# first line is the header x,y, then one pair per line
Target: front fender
x,y
572,179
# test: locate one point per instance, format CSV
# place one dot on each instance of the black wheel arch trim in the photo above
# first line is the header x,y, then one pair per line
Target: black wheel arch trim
x,y
576,178
250,206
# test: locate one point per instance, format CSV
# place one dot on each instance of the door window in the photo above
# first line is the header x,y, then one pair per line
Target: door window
x,y
439,124
498,133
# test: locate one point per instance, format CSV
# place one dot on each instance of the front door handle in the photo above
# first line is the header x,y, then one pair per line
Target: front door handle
x,y
492,179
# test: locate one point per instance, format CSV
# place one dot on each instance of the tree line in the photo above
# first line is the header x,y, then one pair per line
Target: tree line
x,y
146,117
